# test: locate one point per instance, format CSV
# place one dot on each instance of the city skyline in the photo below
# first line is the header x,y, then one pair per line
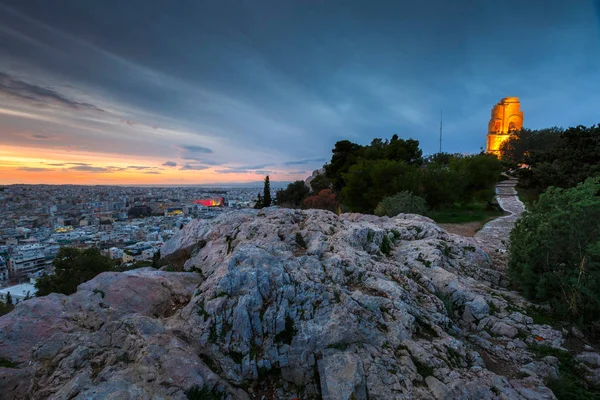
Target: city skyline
x,y
200,92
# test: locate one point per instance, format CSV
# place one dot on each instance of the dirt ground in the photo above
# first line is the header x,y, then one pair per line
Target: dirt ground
x,y
468,229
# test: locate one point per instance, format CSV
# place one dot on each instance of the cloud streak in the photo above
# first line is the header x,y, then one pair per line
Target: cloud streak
x,y
196,149
190,167
39,96
305,161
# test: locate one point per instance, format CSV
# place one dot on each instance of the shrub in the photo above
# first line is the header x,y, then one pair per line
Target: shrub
x,y
325,200
403,202
555,252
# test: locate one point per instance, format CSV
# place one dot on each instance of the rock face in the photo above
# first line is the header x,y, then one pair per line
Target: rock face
x,y
287,304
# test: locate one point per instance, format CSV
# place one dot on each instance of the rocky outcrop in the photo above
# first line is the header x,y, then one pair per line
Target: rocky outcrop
x,y
287,304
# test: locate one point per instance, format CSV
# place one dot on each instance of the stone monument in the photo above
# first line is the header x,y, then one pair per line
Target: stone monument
x,y
507,118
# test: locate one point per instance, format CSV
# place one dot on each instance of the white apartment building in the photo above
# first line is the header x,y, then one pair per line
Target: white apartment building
x,y
115,253
26,260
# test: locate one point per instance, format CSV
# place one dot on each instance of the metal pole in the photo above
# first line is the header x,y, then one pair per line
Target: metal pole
x,y
441,118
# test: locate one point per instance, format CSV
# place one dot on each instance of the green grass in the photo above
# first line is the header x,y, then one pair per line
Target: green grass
x,y
460,214
570,384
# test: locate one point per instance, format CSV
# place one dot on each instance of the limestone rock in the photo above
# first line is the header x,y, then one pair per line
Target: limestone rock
x,y
298,303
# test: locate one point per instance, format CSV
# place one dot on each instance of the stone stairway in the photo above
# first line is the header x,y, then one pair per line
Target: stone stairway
x,y
494,236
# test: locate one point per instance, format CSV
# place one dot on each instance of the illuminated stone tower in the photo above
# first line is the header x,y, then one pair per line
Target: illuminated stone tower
x,y
507,118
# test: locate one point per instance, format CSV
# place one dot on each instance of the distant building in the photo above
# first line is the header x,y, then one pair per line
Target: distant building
x,y
115,253
506,118
27,259
139,211
3,270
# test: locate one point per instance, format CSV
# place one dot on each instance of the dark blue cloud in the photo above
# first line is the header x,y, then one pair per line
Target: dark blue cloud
x,y
291,78
196,149
38,96
170,164
193,167
306,161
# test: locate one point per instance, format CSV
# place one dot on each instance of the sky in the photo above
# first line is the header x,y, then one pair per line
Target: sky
x,y
202,92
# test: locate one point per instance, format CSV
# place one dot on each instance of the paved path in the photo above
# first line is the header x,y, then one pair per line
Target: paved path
x,y
493,237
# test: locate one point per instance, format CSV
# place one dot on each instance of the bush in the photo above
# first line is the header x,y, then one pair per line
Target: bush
x,y
555,252
325,200
403,202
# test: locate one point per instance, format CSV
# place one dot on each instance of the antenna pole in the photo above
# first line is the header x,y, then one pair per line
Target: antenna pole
x,y
441,119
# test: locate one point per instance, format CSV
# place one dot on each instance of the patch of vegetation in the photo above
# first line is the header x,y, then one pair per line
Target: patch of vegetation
x,y
204,393
5,308
542,317
71,268
422,369
124,358
339,346
447,301
300,241
386,245
288,333
401,203
212,334
460,213
337,296
201,311
493,308
210,363
228,239
98,291
555,253
6,363
236,356
424,327
570,384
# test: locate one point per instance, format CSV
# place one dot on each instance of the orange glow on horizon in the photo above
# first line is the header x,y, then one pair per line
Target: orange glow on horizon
x,y
31,165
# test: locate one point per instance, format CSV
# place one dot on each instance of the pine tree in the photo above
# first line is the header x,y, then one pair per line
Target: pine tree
x,y
156,259
259,202
267,192
9,299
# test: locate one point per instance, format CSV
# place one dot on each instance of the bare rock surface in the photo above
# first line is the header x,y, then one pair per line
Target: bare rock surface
x,y
287,304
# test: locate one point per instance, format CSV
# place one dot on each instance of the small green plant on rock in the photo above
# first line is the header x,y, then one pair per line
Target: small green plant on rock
x,y
204,393
6,363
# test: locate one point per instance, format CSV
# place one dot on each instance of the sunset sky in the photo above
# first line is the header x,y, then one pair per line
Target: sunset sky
x,y
201,92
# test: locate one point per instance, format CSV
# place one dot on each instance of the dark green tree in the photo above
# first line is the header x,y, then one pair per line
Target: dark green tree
x,y
555,252
155,260
320,182
369,181
345,154
293,195
259,202
441,186
478,175
267,192
9,299
71,268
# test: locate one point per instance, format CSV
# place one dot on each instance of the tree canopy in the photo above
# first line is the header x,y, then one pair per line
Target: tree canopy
x,y
71,268
555,252
556,157
293,195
